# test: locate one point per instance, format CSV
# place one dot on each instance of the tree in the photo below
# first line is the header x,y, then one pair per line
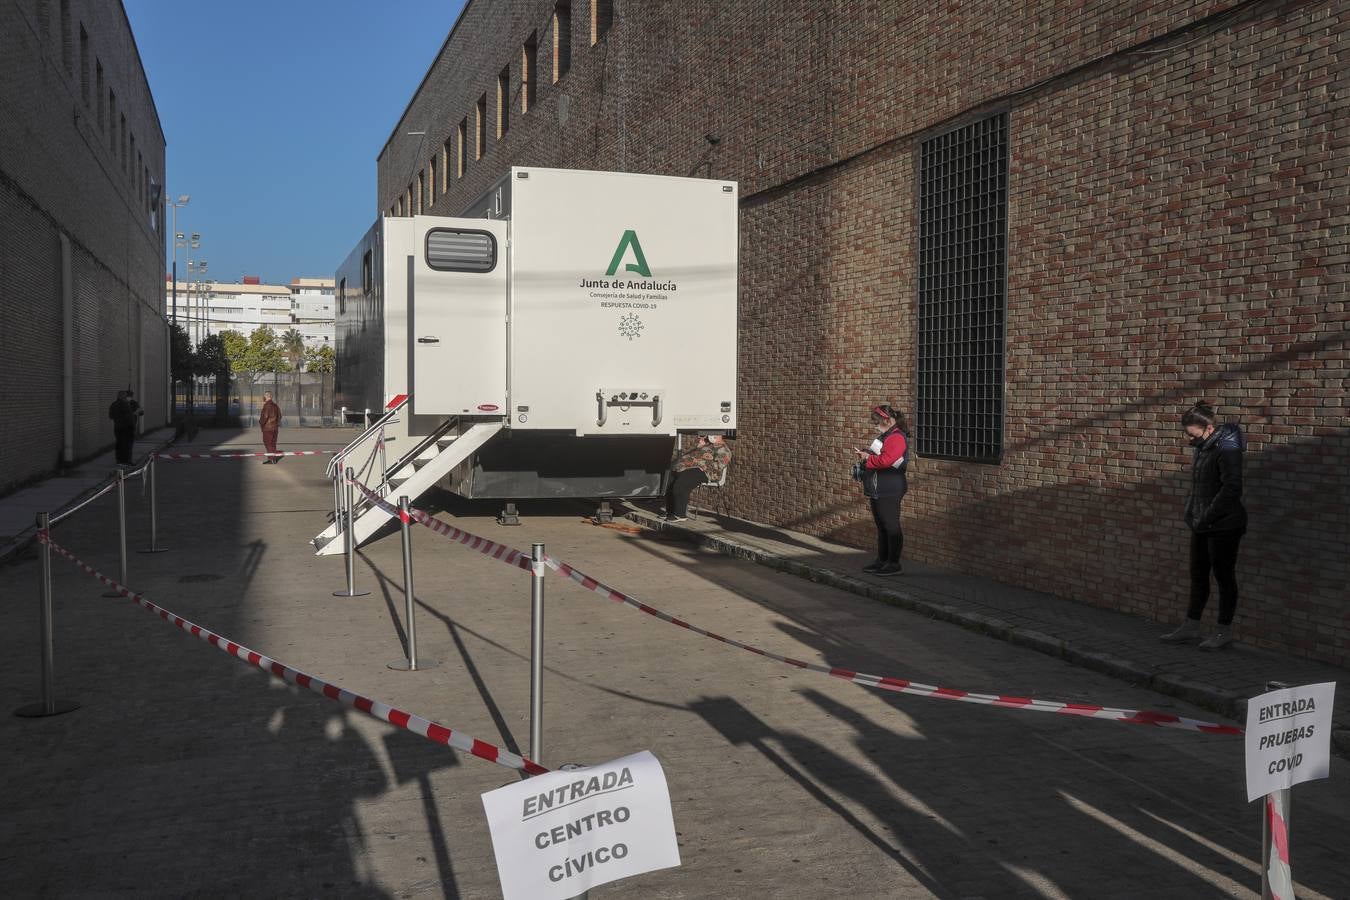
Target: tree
x,y
236,349
263,353
213,359
182,361
320,360
180,354
293,347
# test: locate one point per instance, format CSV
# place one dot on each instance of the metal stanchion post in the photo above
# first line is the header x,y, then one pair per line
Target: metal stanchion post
x,y
537,652
537,667
349,519
154,510
1274,802
121,532
49,706
412,663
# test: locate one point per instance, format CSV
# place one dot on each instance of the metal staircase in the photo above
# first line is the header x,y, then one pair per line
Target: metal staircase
x,y
429,460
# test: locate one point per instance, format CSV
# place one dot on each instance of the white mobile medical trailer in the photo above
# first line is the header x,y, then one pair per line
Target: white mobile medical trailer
x,y
553,342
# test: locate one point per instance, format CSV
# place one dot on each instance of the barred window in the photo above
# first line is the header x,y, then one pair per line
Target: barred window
x,y
963,223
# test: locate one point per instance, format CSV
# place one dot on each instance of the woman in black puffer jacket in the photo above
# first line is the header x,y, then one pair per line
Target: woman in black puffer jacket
x,y
1217,519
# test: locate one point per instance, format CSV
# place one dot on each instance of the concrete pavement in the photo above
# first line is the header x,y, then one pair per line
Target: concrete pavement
x,y
19,510
1103,640
186,773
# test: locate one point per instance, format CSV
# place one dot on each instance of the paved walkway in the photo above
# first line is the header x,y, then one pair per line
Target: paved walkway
x,y
185,773
1103,640
19,510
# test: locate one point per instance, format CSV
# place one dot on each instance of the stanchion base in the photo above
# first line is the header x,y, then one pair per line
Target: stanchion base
x,y
154,550
403,666
39,710
351,593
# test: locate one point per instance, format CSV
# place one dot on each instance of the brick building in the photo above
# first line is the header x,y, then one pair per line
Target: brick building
x,y
1044,229
81,233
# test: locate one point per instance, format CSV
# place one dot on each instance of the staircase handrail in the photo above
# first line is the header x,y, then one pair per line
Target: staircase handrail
x,y
335,465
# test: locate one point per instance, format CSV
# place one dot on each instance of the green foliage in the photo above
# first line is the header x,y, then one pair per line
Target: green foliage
x,y
236,348
181,362
212,358
293,347
320,360
261,351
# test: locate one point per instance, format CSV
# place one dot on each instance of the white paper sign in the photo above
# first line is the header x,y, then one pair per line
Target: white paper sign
x,y
1288,737
560,834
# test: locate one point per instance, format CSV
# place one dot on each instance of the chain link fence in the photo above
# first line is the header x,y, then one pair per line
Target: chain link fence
x,y
305,398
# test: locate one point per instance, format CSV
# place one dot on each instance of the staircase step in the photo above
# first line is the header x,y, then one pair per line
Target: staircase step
x,y
414,476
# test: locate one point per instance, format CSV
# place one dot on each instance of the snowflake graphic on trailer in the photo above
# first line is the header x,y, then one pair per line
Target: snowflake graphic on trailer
x,y
630,326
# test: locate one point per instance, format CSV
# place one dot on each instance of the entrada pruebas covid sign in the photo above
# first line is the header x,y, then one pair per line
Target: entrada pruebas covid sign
x,y
558,835
1288,737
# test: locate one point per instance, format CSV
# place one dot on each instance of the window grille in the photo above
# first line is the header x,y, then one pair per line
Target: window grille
x,y
963,225
453,250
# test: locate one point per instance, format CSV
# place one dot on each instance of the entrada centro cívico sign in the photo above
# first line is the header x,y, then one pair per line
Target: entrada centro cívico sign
x,y
558,835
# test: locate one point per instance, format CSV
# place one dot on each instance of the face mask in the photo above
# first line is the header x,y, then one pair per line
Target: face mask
x,y
1197,442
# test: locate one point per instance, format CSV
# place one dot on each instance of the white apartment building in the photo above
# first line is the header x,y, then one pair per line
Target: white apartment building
x,y
211,307
312,310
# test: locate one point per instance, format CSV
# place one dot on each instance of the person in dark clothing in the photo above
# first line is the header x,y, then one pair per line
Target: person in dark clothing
x,y
269,422
123,413
703,463
881,469
1217,519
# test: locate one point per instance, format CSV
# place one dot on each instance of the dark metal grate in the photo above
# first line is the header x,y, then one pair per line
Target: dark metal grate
x,y
963,226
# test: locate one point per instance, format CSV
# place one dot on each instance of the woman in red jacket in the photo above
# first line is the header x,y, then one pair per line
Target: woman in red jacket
x,y
884,483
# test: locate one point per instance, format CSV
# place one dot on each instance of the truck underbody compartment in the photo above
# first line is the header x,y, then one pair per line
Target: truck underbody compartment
x,y
533,465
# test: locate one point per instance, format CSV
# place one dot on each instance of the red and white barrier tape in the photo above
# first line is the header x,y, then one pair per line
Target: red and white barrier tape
x,y
904,686
245,455
1279,874
879,682
508,555
428,729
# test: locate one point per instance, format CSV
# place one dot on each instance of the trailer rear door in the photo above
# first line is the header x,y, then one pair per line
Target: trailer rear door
x,y
457,317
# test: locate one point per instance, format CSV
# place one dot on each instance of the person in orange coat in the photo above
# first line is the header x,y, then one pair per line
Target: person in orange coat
x,y
269,420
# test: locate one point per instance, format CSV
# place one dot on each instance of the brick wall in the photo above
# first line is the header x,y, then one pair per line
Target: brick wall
x,y
1177,230
63,172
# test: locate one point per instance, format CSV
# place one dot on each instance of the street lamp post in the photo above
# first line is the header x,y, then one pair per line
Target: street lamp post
x,y
173,205
193,243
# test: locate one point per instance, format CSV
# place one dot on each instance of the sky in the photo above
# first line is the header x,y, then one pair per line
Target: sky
x,y
273,113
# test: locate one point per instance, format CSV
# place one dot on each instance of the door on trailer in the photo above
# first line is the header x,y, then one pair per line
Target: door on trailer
x,y
457,317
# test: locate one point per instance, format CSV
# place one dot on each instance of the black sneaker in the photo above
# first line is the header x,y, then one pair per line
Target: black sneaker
x,y
874,567
891,569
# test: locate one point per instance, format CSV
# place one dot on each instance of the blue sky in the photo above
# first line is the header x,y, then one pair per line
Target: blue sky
x,y
274,113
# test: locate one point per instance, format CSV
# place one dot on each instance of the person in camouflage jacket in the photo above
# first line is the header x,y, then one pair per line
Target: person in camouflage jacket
x,y
706,462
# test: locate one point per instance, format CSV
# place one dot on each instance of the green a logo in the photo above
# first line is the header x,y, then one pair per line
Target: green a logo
x,y
630,239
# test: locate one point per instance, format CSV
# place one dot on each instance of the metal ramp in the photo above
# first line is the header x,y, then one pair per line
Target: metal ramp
x,y
431,459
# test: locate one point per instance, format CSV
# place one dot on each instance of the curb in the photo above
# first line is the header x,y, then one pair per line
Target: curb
x,y
1225,703
9,552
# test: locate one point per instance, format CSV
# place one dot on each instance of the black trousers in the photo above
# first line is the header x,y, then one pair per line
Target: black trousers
x,y
124,438
682,484
890,539
1214,552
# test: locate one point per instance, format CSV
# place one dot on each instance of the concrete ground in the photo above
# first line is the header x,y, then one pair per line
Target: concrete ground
x,y
188,774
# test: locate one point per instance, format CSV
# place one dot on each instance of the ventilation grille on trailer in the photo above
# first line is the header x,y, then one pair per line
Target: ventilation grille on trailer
x,y
454,250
